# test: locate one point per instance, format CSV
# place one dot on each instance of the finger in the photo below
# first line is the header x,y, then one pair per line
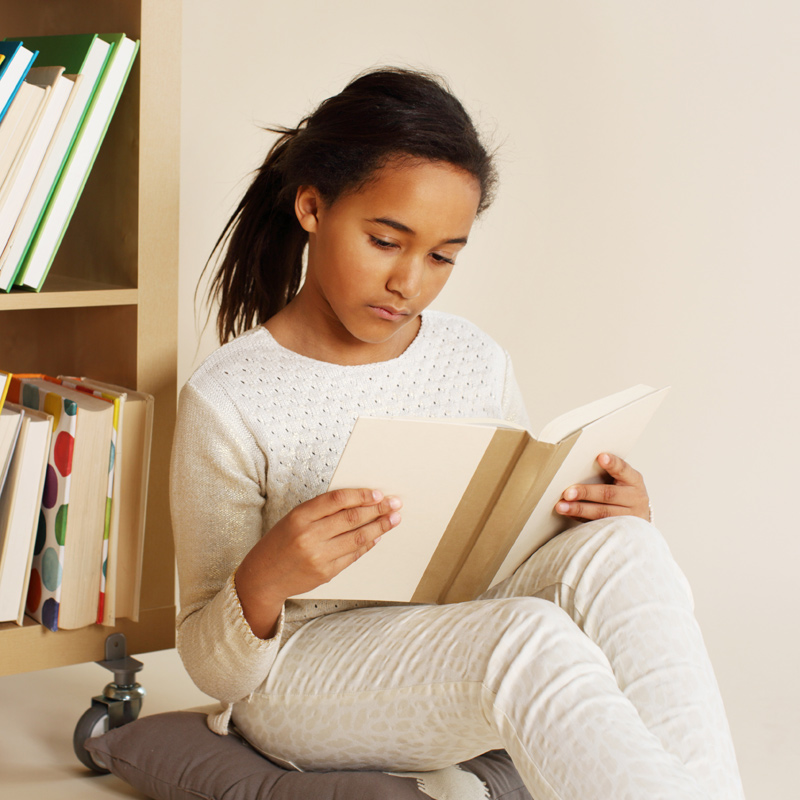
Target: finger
x,y
609,493
591,511
330,503
619,469
353,544
351,519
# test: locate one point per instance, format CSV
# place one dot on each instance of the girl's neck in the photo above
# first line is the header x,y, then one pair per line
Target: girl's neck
x,y
321,337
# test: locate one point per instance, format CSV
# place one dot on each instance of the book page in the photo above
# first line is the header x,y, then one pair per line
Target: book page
x,y
565,424
615,433
429,466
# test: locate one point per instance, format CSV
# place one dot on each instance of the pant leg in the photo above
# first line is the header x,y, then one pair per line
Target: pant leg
x,y
618,581
420,688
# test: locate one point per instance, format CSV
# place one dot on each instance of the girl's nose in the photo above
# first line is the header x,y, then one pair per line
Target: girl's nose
x,y
406,278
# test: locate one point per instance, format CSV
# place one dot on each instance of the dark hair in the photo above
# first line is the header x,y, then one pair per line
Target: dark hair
x,y
378,116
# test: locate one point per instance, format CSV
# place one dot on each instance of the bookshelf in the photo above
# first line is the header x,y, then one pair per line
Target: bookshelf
x,y
109,306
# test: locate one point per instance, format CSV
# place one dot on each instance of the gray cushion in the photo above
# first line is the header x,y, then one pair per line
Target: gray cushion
x,y
174,756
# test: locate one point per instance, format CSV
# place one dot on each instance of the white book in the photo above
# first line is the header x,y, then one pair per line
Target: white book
x,y
12,74
16,127
20,504
15,191
478,495
73,178
9,431
15,248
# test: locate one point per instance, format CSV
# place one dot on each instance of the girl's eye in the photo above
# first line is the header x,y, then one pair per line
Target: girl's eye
x,y
442,259
383,245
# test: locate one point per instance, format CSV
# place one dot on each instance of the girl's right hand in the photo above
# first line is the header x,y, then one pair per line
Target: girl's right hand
x,y
310,545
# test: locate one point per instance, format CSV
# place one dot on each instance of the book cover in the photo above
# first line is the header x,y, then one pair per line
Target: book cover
x,y
65,576
13,69
9,432
79,162
83,57
16,130
17,245
133,460
14,192
478,495
20,511
106,614
5,382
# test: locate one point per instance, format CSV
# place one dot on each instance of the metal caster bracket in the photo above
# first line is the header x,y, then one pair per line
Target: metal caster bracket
x,y
119,704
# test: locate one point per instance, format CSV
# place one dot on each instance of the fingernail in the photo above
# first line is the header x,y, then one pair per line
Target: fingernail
x,y
570,494
377,539
605,459
395,502
394,518
562,507
376,495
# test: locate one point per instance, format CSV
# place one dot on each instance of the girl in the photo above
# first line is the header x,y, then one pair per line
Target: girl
x,y
587,664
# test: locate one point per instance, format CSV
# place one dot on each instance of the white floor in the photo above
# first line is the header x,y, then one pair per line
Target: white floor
x,y
39,713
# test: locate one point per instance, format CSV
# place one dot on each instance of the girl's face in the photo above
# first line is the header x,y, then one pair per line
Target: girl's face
x,y
379,256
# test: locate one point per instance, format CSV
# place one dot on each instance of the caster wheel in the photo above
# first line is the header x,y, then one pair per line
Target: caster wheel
x,y
93,722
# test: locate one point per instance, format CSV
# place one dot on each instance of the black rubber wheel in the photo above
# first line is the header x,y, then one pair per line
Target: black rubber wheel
x,y
93,722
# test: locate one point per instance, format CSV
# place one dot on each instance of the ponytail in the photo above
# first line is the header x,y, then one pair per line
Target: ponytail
x,y
377,116
262,267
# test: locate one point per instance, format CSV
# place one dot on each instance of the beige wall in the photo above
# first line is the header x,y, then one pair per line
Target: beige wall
x,y
646,231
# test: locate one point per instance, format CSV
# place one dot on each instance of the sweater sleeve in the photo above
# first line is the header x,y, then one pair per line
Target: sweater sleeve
x,y
217,488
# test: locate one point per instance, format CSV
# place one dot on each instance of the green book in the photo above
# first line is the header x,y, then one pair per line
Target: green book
x,y
83,57
79,162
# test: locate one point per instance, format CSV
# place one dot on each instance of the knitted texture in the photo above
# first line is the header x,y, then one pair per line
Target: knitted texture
x,y
260,430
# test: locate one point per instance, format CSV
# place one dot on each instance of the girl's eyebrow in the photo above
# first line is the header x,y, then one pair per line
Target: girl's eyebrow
x,y
399,226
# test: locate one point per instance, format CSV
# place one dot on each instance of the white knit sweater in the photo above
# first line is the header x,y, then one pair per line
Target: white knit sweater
x,y
260,430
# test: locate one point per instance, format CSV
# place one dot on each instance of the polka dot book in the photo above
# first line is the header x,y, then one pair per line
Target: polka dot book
x,y
67,564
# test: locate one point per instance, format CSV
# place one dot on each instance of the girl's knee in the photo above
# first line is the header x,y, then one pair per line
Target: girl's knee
x,y
636,547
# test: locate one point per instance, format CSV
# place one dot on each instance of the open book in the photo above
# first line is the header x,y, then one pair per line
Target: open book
x,y
478,495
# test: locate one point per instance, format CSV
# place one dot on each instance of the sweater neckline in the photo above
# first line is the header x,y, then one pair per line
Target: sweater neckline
x,y
415,345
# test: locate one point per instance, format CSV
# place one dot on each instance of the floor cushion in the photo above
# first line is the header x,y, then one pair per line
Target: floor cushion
x,y
174,756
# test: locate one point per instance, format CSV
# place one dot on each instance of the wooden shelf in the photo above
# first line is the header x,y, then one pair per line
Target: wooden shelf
x,y
67,292
33,647
109,307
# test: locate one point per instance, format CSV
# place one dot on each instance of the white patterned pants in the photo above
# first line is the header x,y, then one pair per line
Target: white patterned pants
x,y
587,666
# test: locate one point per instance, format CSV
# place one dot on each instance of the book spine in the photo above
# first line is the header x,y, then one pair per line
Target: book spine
x,y
471,514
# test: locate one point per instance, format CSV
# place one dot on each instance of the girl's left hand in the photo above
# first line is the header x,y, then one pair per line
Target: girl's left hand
x,y
625,494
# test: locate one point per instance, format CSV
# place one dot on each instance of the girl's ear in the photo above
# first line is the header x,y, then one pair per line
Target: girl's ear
x,y
306,205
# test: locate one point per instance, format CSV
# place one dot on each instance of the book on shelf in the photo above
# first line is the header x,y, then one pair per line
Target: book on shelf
x,y
21,510
84,56
5,382
106,605
478,495
9,432
49,232
18,185
131,485
17,60
65,575
16,129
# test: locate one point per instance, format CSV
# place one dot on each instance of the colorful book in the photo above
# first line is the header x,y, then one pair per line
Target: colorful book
x,y
16,63
21,511
65,576
62,203
106,614
14,192
123,587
